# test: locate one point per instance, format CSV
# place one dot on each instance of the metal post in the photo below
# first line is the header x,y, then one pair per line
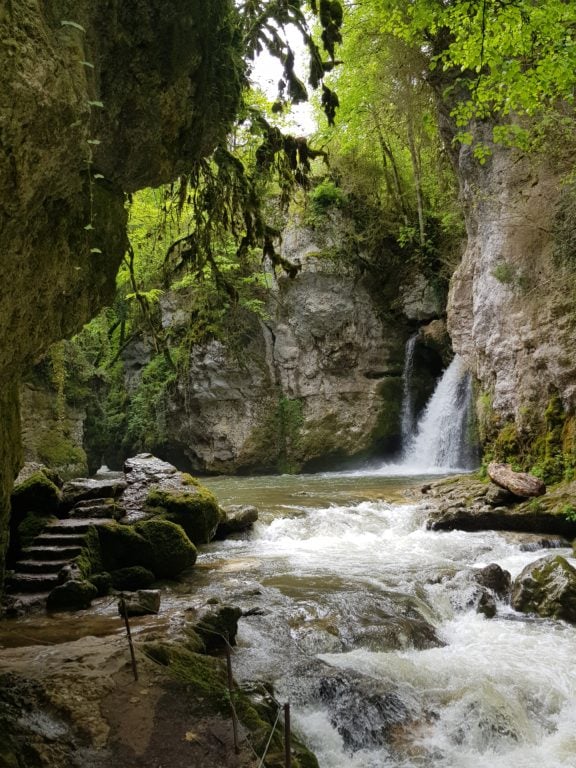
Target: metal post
x,y
231,693
124,612
287,745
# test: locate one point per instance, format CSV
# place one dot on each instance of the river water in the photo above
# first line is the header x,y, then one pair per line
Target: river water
x,y
368,627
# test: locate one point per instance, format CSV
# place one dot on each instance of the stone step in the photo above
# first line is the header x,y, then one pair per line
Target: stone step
x,y
60,539
39,566
74,525
98,511
32,582
51,553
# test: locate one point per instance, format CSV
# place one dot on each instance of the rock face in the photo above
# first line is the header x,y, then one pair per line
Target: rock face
x,y
510,312
547,587
95,100
316,382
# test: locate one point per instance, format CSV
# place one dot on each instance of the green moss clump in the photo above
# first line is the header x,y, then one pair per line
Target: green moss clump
x,y
102,582
57,450
132,578
194,508
36,494
71,596
89,561
122,546
31,526
172,551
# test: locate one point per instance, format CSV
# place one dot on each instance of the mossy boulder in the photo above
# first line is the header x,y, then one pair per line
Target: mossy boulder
x,y
102,582
140,603
122,546
190,505
172,551
132,578
38,493
73,595
547,587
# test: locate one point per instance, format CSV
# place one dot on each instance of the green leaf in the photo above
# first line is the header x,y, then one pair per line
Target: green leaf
x,y
99,104
73,24
87,64
88,226
98,176
95,250
93,141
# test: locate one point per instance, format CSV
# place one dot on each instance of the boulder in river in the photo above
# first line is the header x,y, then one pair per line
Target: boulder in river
x,y
217,626
140,603
239,518
547,587
73,595
519,483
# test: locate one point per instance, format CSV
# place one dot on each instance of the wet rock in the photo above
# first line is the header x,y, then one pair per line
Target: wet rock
x,y
494,578
70,572
486,605
519,483
140,603
496,496
144,472
86,488
547,587
520,518
239,518
73,595
217,626
362,711
102,582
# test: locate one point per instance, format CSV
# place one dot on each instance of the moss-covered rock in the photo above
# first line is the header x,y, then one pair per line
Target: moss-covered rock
x,y
122,546
103,583
71,596
172,551
31,526
132,578
36,494
547,587
191,506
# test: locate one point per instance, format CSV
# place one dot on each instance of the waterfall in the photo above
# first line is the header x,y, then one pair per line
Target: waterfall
x,y
408,422
441,441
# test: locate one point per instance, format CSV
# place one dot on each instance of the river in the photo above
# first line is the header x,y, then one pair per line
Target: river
x,y
367,628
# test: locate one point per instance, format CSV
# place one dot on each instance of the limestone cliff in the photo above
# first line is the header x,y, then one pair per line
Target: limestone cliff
x,y
511,304
313,383
96,99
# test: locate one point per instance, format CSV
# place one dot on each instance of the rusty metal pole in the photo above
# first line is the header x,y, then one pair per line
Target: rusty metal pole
x,y
124,612
287,745
231,693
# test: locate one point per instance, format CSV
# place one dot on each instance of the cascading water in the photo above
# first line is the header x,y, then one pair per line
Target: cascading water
x,y
367,624
408,422
441,440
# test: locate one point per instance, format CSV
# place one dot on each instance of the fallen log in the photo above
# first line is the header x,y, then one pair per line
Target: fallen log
x,y
518,483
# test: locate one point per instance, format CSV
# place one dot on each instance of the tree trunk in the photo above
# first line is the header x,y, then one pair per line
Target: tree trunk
x,y
518,483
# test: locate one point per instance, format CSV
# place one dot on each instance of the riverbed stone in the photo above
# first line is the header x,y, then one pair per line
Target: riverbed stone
x,y
172,551
494,578
239,518
547,587
140,603
132,578
73,595
217,626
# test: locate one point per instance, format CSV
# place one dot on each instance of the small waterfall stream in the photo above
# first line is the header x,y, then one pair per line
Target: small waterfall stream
x,y
408,423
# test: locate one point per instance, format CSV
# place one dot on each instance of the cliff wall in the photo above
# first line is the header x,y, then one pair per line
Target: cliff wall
x,y
96,99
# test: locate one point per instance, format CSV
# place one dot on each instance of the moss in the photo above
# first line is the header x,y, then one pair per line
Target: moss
x,y
102,582
194,508
89,561
58,450
172,551
32,526
36,494
290,422
122,546
132,578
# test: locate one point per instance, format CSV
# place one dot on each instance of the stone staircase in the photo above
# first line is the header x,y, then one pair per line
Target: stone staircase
x,y
39,569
